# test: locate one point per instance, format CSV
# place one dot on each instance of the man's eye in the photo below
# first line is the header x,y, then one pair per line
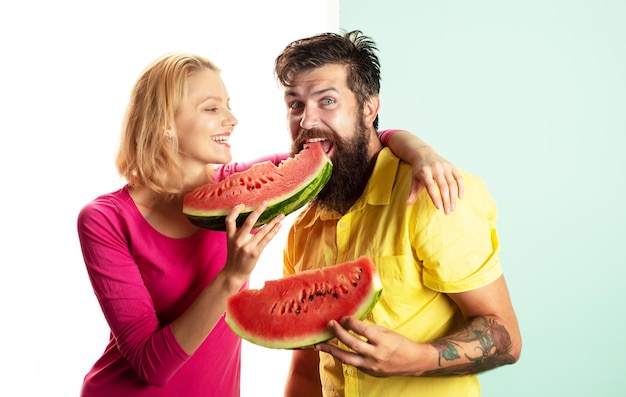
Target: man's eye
x,y
295,105
328,101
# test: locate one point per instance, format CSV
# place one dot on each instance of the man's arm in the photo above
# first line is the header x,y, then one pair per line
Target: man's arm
x,y
489,339
303,379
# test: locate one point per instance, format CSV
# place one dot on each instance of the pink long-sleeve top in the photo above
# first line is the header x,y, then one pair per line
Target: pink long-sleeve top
x,y
144,280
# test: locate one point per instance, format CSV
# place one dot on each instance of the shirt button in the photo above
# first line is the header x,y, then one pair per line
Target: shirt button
x,y
342,224
349,371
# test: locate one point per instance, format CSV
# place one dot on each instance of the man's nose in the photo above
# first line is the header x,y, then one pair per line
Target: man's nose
x,y
310,119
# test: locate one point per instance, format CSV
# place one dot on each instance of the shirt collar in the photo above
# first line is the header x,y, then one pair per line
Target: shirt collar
x,y
379,187
377,191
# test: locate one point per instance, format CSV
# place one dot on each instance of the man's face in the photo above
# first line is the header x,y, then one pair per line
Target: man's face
x,y
320,106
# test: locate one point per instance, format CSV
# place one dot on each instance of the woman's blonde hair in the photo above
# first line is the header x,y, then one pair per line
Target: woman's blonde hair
x,y
147,154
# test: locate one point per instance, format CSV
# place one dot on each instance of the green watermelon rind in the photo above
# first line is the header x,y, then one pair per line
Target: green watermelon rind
x,y
283,205
293,344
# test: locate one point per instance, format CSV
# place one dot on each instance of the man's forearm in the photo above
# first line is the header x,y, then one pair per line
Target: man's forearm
x,y
482,344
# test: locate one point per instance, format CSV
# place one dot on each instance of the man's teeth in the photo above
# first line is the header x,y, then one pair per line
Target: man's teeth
x,y
315,140
220,138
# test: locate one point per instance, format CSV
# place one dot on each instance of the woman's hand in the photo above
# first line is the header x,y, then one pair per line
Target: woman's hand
x,y
442,180
244,248
245,244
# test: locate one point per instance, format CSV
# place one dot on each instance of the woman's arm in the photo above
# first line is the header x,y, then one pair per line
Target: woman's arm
x,y
440,177
442,180
156,351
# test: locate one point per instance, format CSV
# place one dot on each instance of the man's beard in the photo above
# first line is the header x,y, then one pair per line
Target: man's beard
x,y
352,168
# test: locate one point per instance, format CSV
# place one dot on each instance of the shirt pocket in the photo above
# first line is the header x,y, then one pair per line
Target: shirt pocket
x,y
403,295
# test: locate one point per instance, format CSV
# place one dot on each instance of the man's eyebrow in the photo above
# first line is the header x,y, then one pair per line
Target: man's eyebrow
x,y
291,93
323,91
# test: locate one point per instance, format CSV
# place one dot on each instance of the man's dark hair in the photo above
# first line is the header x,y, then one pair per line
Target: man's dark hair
x,y
352,49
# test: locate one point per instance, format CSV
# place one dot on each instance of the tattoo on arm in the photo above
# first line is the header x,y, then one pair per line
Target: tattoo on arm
x,y
480,345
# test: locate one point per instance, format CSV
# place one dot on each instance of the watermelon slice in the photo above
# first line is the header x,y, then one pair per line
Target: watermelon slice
x,y
293,312
286,188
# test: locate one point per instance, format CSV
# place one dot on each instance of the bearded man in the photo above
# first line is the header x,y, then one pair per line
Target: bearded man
x,y
445,314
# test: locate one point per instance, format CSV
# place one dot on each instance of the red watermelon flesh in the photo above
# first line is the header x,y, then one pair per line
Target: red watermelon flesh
x,y
286,188
293,312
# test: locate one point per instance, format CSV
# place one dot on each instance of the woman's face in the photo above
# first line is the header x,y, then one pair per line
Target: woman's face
x,y
204,121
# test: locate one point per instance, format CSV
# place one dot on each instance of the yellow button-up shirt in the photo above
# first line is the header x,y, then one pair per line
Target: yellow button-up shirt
x,y
420,253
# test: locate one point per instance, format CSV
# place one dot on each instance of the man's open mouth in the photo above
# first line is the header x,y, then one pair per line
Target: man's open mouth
x,y
326,144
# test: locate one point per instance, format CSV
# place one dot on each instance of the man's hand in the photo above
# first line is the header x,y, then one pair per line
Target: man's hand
x,y
374,350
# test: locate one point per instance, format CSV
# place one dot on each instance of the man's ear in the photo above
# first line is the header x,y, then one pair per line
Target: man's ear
x,y
370,109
